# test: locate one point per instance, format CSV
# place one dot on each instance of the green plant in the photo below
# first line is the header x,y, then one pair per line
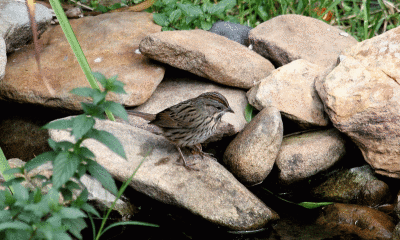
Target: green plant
x,y
29,214
187,14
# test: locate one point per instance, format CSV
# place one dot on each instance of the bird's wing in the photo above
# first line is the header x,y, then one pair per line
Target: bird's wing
x,y
168,119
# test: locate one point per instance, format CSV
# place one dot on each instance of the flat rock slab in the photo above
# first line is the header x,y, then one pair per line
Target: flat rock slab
x,y
212,192
286,38
362,95
208,55
108,41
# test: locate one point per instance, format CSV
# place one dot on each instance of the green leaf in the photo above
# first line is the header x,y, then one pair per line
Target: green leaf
x,y
90,209
100,77
93,110
14,170
100,173
206,25
66,193
117,87
160,19
64,167
249,113
82,124
54,221
75,226
20,193
50,201
84,91
311,205
5,216
136,223
15,225
190,10
109,140
101,8
262,13
117,109
71,213
98,97
175,15
84,152
59,124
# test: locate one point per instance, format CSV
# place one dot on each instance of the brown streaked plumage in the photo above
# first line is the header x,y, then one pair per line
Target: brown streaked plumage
x,y
191,122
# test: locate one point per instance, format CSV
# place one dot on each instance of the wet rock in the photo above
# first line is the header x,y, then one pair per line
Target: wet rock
x,y
305,154
290,89
233,31
3,58
15,26
362,95
251,155
396,232
286,38
179,86
357,186
211,192
108,41
21,135
208,55
365,222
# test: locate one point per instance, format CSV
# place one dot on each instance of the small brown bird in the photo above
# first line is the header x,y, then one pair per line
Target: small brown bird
x,y
191,122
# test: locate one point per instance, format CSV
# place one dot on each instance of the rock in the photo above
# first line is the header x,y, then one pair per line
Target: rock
x,y
3,58
233,31
180,86
15,26
286,38
290,89
207,55
357,186
362,99
396,232
251,155
305,154
212,192
365,222
397,205
109,42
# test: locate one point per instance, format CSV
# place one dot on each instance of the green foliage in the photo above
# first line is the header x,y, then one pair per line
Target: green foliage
x,y
249,112
29,214
308,205
183,15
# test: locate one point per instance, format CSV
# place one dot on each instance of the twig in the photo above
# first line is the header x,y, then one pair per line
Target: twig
x,y
82,5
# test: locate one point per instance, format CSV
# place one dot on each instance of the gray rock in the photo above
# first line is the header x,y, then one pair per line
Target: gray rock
x,y
233,31
3,58
286,38
362,98
305,154
357,186
212,192
251,155
15,26
291,90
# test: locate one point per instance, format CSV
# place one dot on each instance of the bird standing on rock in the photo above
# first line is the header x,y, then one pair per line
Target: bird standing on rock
x,y
191,122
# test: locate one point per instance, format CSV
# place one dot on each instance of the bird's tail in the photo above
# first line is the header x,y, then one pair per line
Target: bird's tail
x,y
145,116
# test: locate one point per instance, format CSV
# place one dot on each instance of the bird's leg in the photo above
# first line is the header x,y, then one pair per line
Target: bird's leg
x,y
198,149
184,161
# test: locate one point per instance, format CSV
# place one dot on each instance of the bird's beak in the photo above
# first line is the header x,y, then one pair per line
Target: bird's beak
x,y
230,110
